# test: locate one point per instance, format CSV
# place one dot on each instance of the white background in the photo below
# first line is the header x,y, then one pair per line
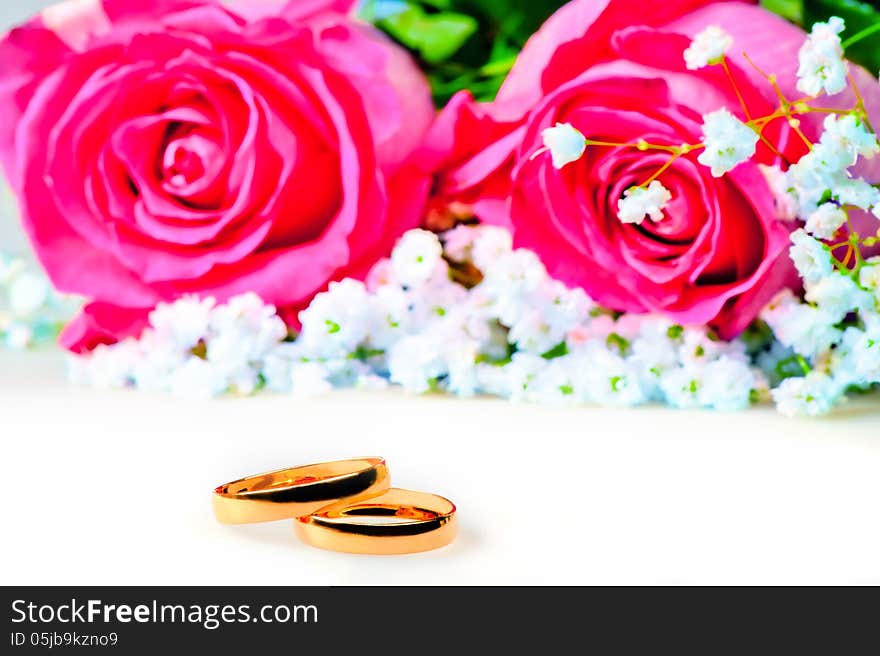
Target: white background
x,y
114,488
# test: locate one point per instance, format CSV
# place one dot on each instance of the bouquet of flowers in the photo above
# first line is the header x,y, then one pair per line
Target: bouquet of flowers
x,y
670,202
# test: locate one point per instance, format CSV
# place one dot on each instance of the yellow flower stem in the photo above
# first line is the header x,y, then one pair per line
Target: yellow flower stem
x,y
661,170
736,90
860,102
677,152
821,110
638,145
854,239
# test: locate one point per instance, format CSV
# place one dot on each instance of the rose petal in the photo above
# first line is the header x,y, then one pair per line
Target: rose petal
x,y
577,36
103,323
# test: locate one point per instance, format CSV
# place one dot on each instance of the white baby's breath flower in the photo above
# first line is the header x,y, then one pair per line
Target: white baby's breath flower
x,y
838,295
519,376
849,136
565,143
812,177
556,384
727,385
390,316
380,275
564,308
197,380
436,334
250,321
869,276
654,353
639,202
806,329
608,378
458,242
337,320
435,299
855,192
490,245
276,372
461,356
728,142
812,395
509,283
707,47
183,323
531,332
111,367
415,257
821,64
158,359
681,386
811,259
863,366
372,383
309,379
698,346
243,332
826,221
415,362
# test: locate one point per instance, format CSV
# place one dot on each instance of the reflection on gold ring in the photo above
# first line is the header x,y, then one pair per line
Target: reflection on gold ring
x,y
298,491
395,522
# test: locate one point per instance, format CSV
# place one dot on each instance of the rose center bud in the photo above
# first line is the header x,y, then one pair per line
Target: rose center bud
x,y
187,158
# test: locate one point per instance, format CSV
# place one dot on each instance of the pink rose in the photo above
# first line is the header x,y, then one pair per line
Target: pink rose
x,y
721,251
168,147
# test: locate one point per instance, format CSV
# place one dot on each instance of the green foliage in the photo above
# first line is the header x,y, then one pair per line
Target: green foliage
x,y
472,44
859,16
793,10
435,37
461,44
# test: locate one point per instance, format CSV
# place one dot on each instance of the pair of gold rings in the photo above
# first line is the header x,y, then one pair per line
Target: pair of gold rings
x,y
346,505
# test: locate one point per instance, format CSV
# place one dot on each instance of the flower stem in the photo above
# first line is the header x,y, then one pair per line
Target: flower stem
x,y
661,170
735,86
860,102
858,36
640,146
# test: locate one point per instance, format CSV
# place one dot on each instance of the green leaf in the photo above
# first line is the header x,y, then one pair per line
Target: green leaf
x,y
436,37
793,10
461,44
557,351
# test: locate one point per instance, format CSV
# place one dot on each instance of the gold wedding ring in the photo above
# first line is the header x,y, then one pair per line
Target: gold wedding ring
x,y
298,491
395,522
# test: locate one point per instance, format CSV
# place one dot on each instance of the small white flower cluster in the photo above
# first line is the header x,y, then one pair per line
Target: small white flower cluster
x,y
708,47
834,333
31,312
193,349
516,333
830,340
820,183
821,66
728,142
565,143
639,202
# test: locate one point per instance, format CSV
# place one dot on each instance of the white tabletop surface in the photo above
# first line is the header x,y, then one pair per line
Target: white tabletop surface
x,y
114,488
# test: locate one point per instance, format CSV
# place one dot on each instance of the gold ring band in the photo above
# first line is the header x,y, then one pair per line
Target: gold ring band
x,y
298,491
395,522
